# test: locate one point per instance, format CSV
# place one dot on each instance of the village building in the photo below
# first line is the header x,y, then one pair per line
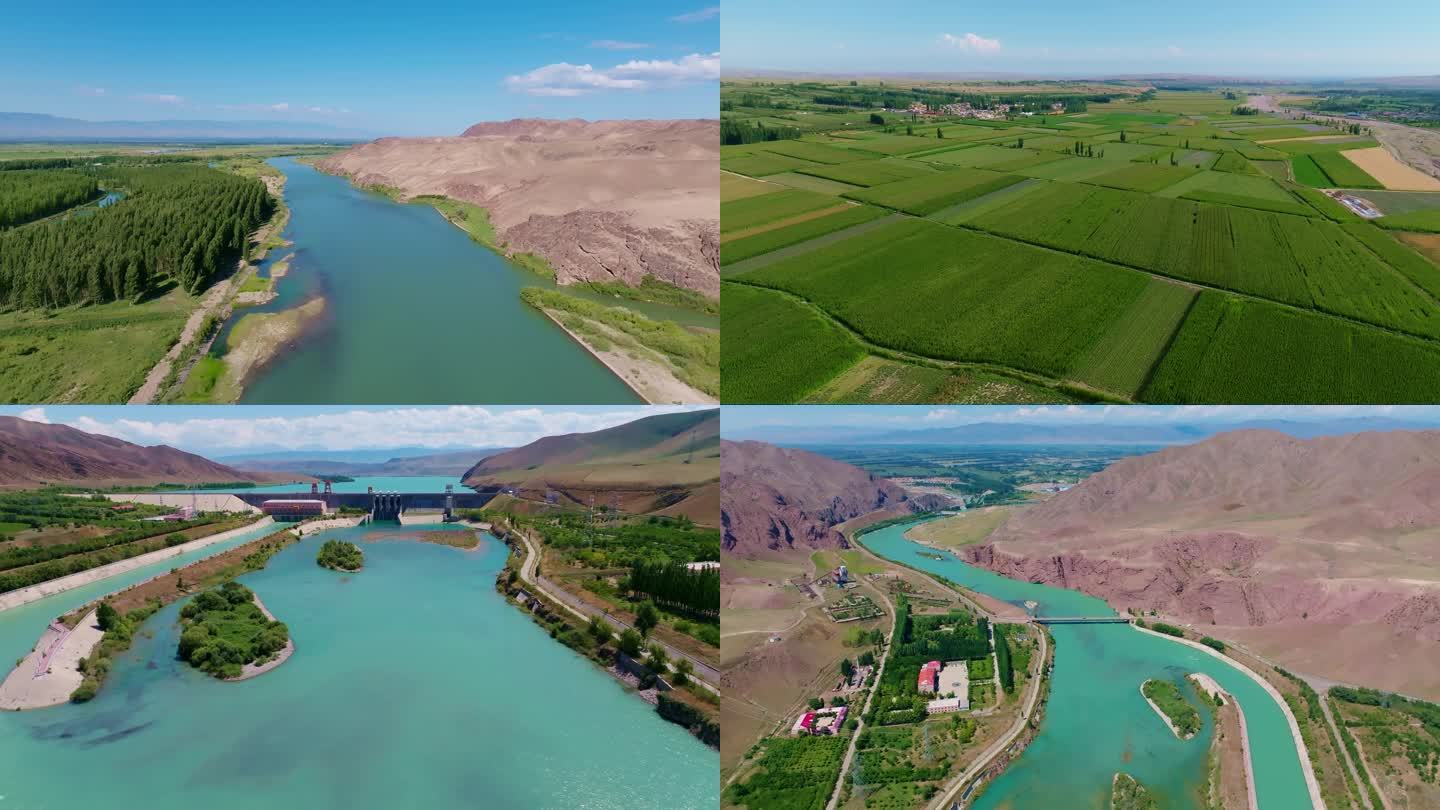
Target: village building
x,y
821,721
928,675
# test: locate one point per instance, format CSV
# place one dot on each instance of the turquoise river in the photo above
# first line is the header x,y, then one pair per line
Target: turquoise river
x,y
415,311
413,684
1097,722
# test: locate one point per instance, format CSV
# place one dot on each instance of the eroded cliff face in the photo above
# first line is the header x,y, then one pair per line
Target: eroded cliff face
x,y
601,201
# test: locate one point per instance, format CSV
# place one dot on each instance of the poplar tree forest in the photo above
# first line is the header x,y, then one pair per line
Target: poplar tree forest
x,y
674,586
27,196
177,224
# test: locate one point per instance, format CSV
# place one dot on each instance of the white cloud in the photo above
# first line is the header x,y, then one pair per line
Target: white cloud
x,y
618,45
457,426
565,79
87,90
1175,50
35,415
709,12
159,98
971,42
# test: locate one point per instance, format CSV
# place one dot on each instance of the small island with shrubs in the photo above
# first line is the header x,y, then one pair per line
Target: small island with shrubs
x,y
1168,702
228,634
340,555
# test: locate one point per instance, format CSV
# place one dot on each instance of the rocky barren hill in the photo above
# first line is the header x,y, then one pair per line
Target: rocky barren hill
x,y
601,200
1324,554
33,454
780,499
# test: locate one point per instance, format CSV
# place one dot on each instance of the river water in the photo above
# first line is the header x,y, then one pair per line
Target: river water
x,y
413,684
1097,722
415,312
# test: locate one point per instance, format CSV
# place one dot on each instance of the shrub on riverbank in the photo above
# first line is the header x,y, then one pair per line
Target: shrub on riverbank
x,y
339,555
1167,629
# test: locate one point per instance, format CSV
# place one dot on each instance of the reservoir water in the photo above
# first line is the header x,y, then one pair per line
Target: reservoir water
x,y
1097,722
413,684
381,483
415,311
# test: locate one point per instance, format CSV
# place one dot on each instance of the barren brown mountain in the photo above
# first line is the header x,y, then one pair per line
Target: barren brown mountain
x,y
666,464
778,499
1323,554
33,454
602,200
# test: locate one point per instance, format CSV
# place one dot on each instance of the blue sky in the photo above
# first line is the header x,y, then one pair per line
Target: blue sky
x,y
1279,38
743,421
235,429
412,68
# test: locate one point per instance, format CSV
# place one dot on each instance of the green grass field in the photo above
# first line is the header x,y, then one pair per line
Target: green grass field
x,y
1124,355
760,165
870,172
1308,172
1344,173
1427,221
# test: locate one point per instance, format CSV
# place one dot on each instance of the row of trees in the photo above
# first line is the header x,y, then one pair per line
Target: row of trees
x,y
180,224
1006,669
734,132
26,196
675,587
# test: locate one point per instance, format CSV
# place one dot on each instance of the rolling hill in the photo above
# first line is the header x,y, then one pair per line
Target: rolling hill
x,y
33,454
666,464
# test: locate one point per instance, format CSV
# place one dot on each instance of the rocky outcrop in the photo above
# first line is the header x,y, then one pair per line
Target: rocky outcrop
x,y
779,499
601,201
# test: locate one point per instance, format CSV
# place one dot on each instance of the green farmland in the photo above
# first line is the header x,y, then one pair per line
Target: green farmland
x,y
1159,250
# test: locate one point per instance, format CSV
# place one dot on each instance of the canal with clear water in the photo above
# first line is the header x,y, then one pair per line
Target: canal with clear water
x,y
413,684
415,311
1097,722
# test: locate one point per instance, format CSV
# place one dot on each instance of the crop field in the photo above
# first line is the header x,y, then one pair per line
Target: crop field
x,y
813,152
870,172
1232,350
779,350
1424,221
761,243
749,212
931,193
1342,172
1143,177
759,165
734,187
959,295
1119,361
1174,259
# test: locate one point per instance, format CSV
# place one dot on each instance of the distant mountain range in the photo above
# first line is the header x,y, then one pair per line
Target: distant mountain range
x,y
41,127
1002,433
33,454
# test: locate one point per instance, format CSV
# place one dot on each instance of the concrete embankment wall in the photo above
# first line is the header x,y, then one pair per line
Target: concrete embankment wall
x,y
24,596
207,502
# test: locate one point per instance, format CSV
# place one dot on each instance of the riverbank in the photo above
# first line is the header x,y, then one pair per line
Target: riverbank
x,y
662,362
1229,720
255,340
679,705
1311,784
51,672
34,593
